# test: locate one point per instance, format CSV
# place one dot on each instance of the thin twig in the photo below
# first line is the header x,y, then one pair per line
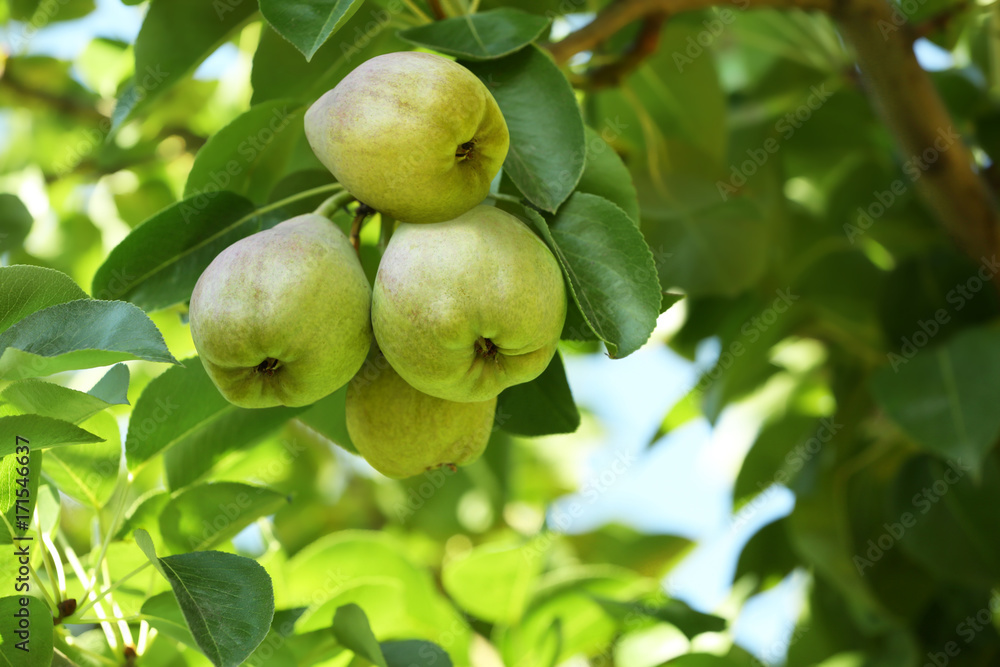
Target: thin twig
x,y
438,9
643,46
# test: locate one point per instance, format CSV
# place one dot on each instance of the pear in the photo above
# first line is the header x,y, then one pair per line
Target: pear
x,y
466,308
413,135
281,317
402,432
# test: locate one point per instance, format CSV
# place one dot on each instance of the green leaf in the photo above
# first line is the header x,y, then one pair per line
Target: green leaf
x,y
719,248
66,10
51,400
414,653
279,70
23,10
609,267
181,409
776,456
945,520
113,387
327,417
546,156
605,175
26,289
700,660
649,555
227,602
372,571
819,531
88,472
541,407
205,515
308,23
36,649
15,222
145,543
481,36
48,508
677,613
176,35
41,433
584,626
13,479
145,515
248,155
767,556
164,613
300,181
493,582
79,334
350,627
688,407
945,397
158,264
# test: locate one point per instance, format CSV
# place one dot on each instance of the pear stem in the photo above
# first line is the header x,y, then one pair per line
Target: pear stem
x,y
362,212
333,204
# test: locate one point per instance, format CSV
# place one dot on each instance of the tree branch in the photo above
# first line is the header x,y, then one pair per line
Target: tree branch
x,y
619,14
898,86
906,99
38,98
643,46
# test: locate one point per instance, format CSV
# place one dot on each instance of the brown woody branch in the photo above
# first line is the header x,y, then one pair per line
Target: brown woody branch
x,y
925,132
643,46
29,96
621,13
899,87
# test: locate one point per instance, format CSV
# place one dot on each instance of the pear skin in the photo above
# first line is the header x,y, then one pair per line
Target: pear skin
x,y
281,317
466,308
403,432
413,135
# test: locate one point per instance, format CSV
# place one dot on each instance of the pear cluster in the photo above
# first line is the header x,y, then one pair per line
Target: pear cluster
x,y
467,300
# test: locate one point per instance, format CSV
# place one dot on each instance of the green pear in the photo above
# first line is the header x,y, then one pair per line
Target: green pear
x,y
281,317
413,135
466,308
402,432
